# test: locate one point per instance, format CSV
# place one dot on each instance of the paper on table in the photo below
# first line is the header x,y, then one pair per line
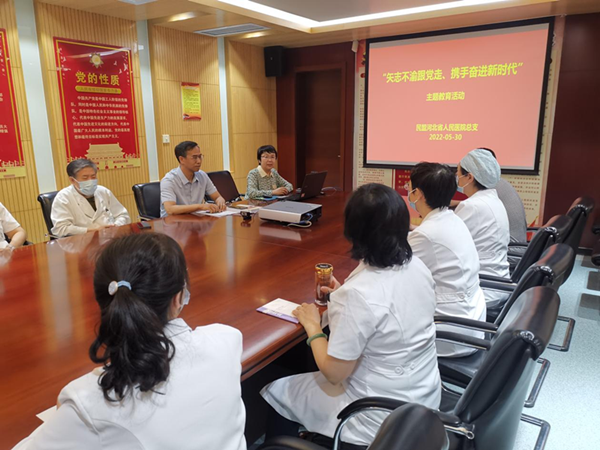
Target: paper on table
x,y
281,309
45,415
227,212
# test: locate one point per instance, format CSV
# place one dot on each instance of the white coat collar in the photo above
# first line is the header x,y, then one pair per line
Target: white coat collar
x,y
361,266
434,213
176,327
491,192
262,172
84,204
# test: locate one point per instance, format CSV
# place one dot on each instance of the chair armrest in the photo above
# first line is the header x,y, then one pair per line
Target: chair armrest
x,y
289,443
391,404
518,244
470,324
462,339
497,285
596,227
494,278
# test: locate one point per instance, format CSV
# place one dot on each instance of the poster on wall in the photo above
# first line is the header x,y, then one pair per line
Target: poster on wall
x,y
190,101
98,106
12,164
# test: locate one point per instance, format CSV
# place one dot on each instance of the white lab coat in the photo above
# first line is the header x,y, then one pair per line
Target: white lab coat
x,y
486,218
444,244
7,224
198,407
73,214
383,319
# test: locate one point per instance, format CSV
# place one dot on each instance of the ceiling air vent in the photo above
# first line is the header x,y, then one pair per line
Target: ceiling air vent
x,y
235,29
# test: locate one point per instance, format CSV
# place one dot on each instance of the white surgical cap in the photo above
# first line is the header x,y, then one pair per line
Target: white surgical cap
x,y
484,167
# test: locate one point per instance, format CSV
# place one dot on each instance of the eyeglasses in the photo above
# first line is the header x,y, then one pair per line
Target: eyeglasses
x,y
273,157
197,157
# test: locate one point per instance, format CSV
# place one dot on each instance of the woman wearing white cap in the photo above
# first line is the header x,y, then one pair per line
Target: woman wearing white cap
x,y
485,217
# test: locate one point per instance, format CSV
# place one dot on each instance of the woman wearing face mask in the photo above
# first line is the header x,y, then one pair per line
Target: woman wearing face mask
x,y
485,216
162,385
84,206
444,244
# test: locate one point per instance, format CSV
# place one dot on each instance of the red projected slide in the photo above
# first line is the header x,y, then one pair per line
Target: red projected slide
x,y
436,98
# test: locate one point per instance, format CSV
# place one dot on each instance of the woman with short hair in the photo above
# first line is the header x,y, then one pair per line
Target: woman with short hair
x,y
444,244
382,340
265,181
162,385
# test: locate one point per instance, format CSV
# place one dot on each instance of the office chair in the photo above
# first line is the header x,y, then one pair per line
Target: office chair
x,y
550,272
147,200
46,201
487,414
552,232
580,211
410,426
224,183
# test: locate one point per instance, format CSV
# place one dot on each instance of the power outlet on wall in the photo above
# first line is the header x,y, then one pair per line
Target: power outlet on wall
x,y
166,139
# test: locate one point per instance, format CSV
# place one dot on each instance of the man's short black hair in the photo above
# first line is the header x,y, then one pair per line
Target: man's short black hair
x,y
265,149
182,148
376,222
76,165
436,181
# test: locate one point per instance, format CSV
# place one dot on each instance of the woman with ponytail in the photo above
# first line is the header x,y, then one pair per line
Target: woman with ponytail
x,y
162,385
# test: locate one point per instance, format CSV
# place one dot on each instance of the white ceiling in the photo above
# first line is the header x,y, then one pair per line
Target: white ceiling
x,y
322,10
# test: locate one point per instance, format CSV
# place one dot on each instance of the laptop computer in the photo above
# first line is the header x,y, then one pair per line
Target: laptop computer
x,y
313,183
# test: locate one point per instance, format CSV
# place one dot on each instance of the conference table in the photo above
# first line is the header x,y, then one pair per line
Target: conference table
x,y
48,314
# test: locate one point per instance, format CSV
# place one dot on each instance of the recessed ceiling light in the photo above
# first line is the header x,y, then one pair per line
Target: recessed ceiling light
x,y
231,30
137,2
273,12
257,7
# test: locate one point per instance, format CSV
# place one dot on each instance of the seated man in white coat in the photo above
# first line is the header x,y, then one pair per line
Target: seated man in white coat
x,y
444,244
84,206
485,217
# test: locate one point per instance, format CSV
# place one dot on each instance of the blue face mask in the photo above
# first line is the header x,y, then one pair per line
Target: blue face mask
x,y
186,296
88,188
413,205
459,188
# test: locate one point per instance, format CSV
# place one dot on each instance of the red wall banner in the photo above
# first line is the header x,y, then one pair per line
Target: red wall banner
x,y
12,164
97,101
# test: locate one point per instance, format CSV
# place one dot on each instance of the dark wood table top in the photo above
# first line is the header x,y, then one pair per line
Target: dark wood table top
x,y
48,313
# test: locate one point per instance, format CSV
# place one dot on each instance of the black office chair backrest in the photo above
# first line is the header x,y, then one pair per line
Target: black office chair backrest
x,y
224,183
579,211
550,233
494,399
147,199
46,201
410,427
551,270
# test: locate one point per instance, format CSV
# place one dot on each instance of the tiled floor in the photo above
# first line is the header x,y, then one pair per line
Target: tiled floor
x,y
570,397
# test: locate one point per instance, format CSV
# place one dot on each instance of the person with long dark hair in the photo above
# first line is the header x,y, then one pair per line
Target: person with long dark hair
x,y
162,385
382,334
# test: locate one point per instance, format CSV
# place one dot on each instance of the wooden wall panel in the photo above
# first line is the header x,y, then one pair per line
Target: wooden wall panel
x,y
55,21
176,57
252,108
19,194
575,156
324,57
